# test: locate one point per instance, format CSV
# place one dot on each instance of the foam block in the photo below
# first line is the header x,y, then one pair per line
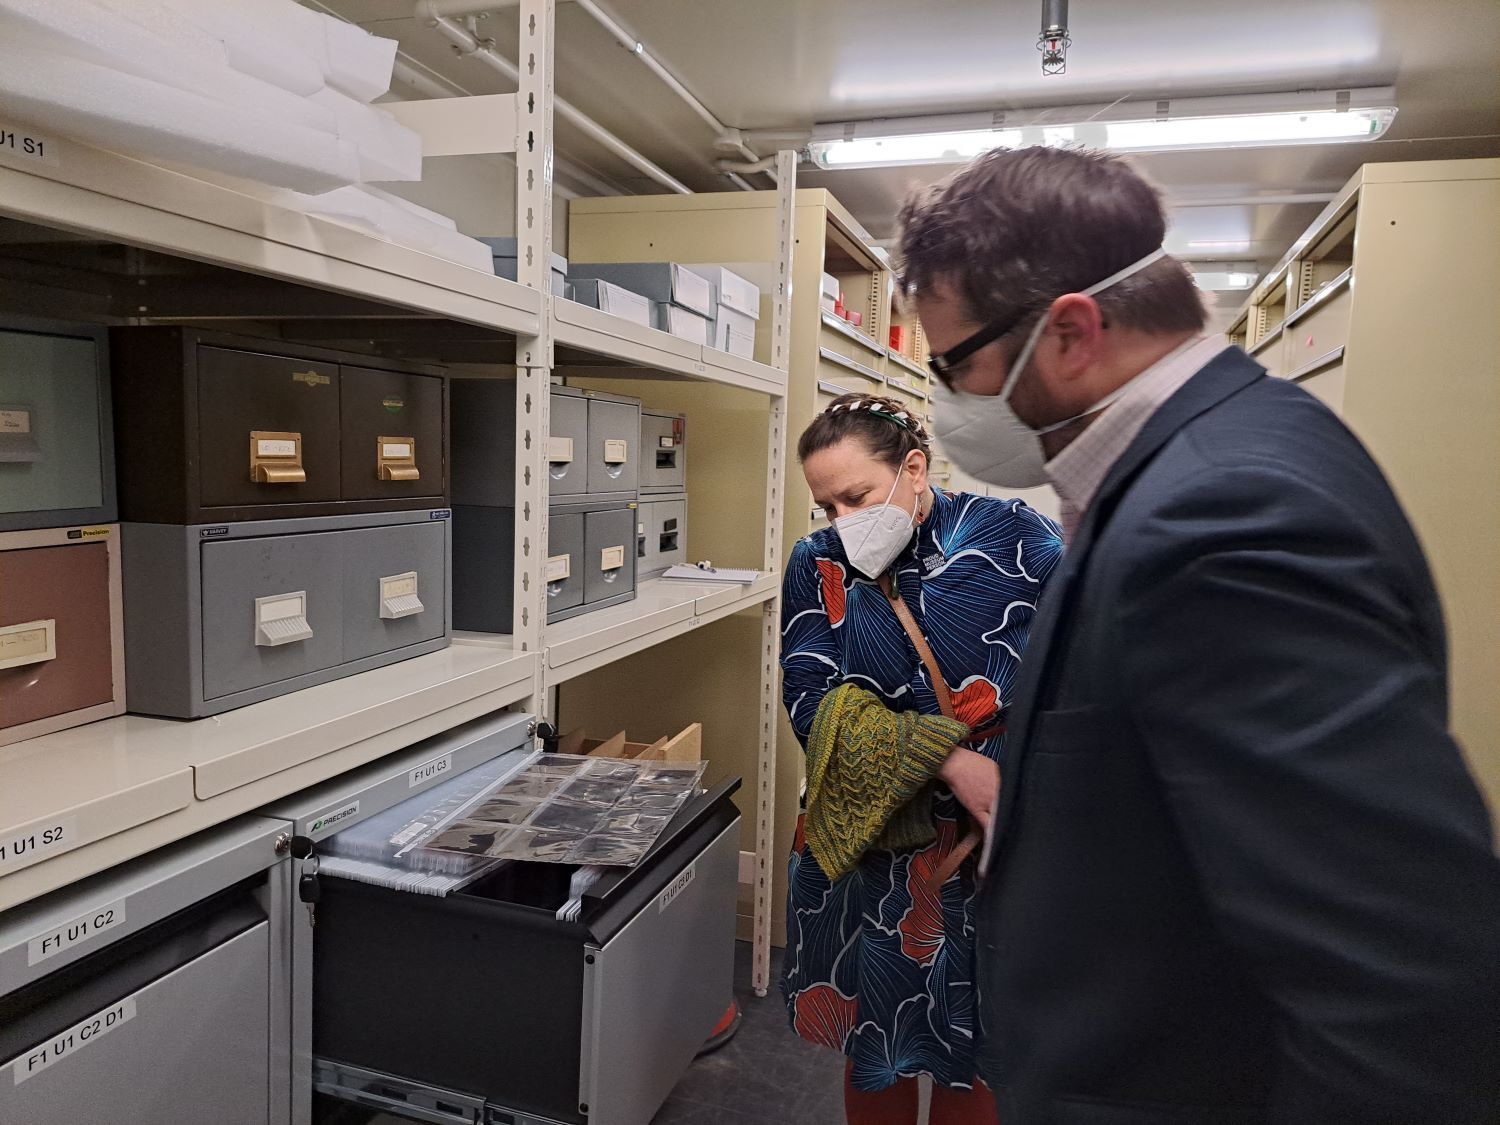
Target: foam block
x,y
359,63
385,217
95,34
249,50
125,113
388,150
414,208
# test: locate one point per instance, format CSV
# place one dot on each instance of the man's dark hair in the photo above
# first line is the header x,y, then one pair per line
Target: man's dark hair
x,y
1017,228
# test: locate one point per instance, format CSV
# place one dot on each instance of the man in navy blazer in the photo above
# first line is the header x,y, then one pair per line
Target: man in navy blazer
x,y
1238,873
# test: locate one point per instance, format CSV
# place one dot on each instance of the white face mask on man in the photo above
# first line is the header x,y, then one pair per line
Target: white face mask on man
x,y
983,435
873,537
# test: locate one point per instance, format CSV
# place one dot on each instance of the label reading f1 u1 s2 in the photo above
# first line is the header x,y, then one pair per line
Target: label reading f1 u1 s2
x,y
66,1044
24,846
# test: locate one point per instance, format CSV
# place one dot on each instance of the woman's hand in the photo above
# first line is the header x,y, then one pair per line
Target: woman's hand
x,y
975,781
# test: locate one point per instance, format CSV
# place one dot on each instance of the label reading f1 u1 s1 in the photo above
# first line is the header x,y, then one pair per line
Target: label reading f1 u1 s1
x,y
66,1044
676,887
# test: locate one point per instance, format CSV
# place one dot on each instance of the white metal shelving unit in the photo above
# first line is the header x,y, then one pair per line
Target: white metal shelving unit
x,y
121,787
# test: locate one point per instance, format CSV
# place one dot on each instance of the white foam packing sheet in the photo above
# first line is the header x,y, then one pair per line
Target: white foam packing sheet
x,y
92,33
375,213
248,49
125,113
350,58
388,150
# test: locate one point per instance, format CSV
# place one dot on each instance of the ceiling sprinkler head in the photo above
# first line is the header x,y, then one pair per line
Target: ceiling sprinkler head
x,y
1054,41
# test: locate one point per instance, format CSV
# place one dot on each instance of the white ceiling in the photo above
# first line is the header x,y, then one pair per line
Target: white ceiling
x,y
769,64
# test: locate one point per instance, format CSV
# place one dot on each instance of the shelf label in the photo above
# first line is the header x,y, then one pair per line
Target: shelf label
x,y
66,1044
333,819
25,846
425,773
86,927
22,145
676,887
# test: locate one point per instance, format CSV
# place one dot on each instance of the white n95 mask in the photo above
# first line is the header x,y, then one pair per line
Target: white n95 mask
x,y
985,438
873,537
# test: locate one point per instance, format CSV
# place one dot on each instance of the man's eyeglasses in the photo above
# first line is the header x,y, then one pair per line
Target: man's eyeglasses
x,y
943,364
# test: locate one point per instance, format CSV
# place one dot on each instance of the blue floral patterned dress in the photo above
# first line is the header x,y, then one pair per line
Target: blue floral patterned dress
x,y
878,965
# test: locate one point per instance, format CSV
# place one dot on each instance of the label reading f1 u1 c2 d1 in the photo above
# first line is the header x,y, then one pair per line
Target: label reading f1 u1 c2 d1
x,y
66,1044
23,846
677,886
429,770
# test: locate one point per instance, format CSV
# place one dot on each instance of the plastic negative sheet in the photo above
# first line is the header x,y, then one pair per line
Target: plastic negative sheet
x,y
565,809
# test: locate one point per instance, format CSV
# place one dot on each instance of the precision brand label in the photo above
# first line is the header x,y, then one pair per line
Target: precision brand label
x,y
676,887
324,823
311,378
27,146
86,927
24,846
425,773
15,421
90,533
66,1044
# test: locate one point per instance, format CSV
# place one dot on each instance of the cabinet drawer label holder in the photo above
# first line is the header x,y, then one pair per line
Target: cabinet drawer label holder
x,y
396,458
398,596
281,619
30,642
276,457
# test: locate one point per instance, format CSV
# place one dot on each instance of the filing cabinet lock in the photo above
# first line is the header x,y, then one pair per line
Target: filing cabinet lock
x,y
396,458
281,619
31,642
276,457
398,596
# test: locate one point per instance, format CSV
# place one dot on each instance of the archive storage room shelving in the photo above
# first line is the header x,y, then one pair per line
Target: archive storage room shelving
x,y
94,236
1354,312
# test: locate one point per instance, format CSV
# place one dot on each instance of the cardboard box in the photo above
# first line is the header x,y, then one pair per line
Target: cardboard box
x,y
656,281
732,290
680,322
504,250
613,299
685,746
734,332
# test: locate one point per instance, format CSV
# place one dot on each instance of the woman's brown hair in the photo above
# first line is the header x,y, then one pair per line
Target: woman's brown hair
x,y
886,428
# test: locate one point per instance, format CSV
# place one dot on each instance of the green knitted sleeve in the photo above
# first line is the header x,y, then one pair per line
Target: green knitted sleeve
x,y
868,775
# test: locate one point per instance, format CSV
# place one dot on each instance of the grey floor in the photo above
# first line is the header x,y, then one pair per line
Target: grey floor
x,y
764,1074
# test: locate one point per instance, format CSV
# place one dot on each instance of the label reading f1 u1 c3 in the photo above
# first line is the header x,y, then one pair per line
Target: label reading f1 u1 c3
x,y
66,1044
676,887
338,816
426,772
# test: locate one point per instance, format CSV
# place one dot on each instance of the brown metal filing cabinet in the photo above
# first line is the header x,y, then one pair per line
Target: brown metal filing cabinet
x,y
61,630
212,428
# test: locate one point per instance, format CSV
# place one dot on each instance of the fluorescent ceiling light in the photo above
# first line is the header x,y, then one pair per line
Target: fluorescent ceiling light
x,y
1222,279
1252,121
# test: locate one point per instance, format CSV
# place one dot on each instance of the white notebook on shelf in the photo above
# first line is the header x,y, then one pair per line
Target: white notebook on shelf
x,y
712,574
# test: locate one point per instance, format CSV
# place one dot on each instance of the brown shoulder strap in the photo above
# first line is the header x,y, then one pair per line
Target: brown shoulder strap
x,y
974,837
919,642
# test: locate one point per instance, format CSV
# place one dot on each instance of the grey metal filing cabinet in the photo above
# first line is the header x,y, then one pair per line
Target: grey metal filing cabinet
x,y
661,540
155,991
317,814
663,452
507,1013
56,439
591,562
219,616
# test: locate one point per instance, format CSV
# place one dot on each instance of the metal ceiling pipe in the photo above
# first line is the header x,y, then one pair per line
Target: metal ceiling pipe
x,y
470,46
435,9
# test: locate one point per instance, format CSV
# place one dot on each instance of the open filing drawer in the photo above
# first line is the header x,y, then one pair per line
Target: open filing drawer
x,y
152,992
507,1013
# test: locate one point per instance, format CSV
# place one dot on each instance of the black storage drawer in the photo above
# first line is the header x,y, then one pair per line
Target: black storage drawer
x,y
502,1003
218,428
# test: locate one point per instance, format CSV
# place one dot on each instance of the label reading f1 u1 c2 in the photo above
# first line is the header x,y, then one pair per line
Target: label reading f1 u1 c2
x,y
66,1044
76,931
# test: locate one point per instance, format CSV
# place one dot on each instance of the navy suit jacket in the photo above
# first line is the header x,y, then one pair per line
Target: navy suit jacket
x,y
1240,871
